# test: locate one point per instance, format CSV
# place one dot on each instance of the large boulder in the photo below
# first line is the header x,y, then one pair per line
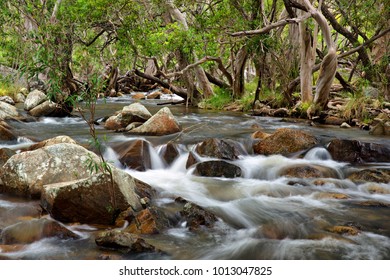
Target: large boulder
x,y
354,151
52,141
217,148
33,99
285,141
26,232
96,199
8,111
134,154
44,109
27,172
162,123
134,112
217,168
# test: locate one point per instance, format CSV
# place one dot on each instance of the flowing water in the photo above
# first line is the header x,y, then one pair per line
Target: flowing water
x,y
262,215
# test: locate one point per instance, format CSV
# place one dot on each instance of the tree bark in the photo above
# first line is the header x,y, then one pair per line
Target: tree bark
x,y
238,72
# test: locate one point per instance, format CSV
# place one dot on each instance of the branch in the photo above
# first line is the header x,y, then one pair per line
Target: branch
x,y
218,60
372,39
268,28
179,91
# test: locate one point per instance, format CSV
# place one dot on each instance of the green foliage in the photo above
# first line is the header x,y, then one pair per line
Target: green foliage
x,y
221,98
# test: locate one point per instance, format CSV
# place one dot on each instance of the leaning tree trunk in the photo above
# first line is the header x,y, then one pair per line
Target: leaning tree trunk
x,y
328,65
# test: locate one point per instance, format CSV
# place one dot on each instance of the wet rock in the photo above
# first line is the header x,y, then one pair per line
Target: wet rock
x,y
260,135
197,217
192,159
373,204
134,154
348,230
7,99
354,151
92,200
124,240
8,111
377,189
217,148
285,141
308,171
148,221
5,154
169,153
52,141
6,134
26,173
345,125
43,109
162,123
30,231
217,168
144,190
33,99
332,120
332,196
371,175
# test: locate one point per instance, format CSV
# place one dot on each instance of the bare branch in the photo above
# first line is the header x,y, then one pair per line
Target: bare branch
x,y
268,28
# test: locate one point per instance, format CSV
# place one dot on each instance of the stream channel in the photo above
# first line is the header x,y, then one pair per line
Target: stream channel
x,y
261,215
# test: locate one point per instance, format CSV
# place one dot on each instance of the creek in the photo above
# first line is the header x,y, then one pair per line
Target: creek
x,y
261,214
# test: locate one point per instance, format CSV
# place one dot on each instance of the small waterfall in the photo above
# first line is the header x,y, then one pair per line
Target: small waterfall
x,y
112,157
318,153
156,161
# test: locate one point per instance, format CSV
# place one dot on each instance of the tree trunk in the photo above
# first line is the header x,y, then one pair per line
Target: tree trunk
x,y
328,65
238,72
307,63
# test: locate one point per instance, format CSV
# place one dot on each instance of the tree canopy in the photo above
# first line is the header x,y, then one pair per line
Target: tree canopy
x,y
201,49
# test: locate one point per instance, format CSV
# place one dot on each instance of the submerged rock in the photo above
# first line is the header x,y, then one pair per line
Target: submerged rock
x,y
124,240
371,175
348,230
308,171
162,123
285,141
30,231
217,168
354,151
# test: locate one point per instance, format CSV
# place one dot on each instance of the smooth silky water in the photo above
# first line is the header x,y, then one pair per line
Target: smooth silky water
x,y
262,215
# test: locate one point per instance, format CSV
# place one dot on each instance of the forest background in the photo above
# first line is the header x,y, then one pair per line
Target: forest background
x,y
306,56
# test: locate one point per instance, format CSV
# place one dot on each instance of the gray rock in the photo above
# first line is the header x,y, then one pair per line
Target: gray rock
x,y
8,111
33,99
